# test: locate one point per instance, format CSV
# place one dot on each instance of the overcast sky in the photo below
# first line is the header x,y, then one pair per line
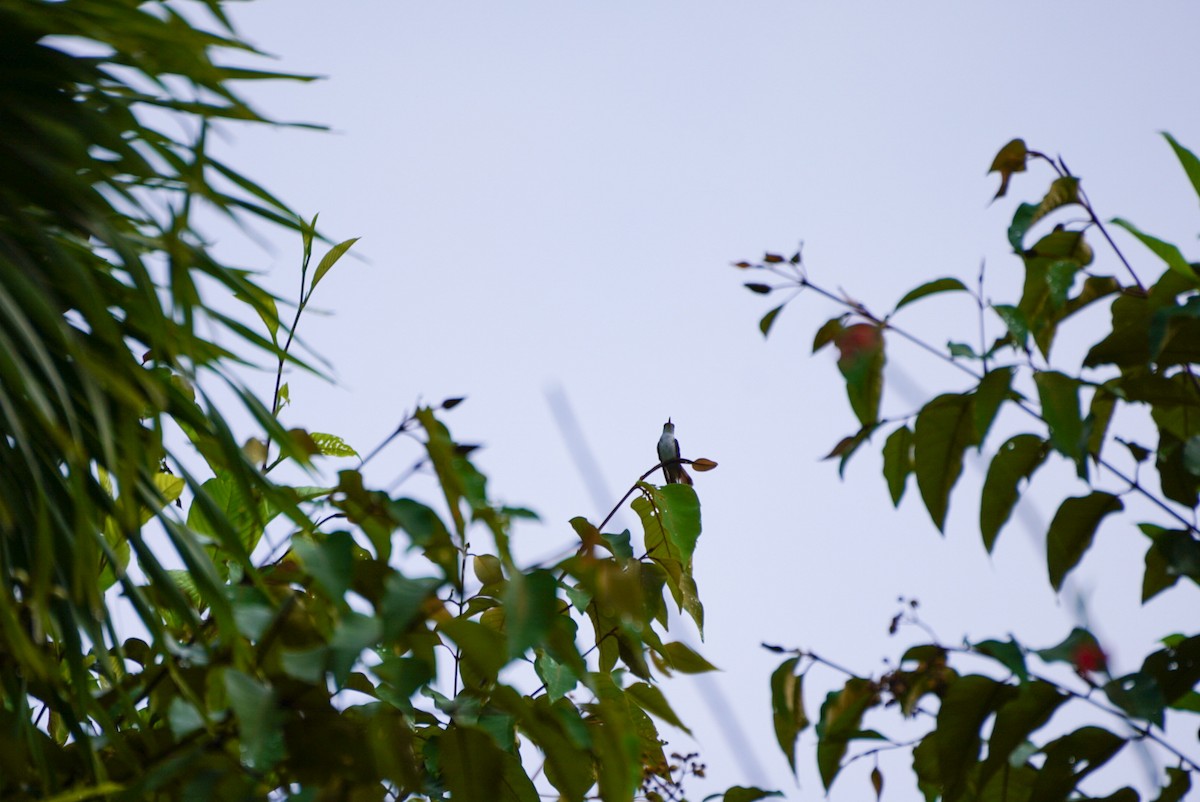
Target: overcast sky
x,y
550,195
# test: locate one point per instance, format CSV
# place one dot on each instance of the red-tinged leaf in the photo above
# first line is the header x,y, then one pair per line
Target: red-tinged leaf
x,y
1010,159
742,265
1016,461
943,431
768,320
1072,530
930,288
701,465
861,360
772,258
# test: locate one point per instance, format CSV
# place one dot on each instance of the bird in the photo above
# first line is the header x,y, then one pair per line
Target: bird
x,y
668,455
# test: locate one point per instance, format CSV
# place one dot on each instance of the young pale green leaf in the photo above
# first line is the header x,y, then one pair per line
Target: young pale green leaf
x,y
930,288
329,260
1072,530
1016,460
331,445
787,708
1191,164
944,429
1059,395
898,462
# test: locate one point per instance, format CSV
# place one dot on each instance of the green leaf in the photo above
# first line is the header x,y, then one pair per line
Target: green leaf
x,y
1021,223
861,360
260,735
759,289
474,767
1016,460
1087,748
679,507
1191,164
1063,192
768,320
930,288
966,705
993,390
944,429
740,793
1011,159
1179,781
787,708
840,719
1008,653
684,659
898,462
530,605
620,544
650,699
482,648
1059,395
1016,323
828,332
558,678
354,633
1072,530
330,561
1138,695
403,599
332,445
1078,643
329,260
1018,718
1169,253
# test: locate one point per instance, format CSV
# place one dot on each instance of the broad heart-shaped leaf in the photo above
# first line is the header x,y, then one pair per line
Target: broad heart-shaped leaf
x,y
841,716
861,359
898,462
1191,164
787,708
966,705
945,428
1072,530
530,606
1087,748
1016,460
1059,395
930,288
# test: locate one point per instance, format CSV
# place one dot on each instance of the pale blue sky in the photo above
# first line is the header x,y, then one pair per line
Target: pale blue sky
x,y
550,194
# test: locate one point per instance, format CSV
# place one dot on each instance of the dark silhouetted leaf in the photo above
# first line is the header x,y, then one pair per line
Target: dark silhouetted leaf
x,y
1072,530
898,462
931,288
1016,460
787,708
768,320
943,431
761,289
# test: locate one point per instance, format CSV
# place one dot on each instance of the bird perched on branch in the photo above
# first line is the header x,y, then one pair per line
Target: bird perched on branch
x,y
668,455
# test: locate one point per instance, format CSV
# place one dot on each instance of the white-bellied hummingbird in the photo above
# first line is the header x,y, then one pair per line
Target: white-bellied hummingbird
x,y
668,455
